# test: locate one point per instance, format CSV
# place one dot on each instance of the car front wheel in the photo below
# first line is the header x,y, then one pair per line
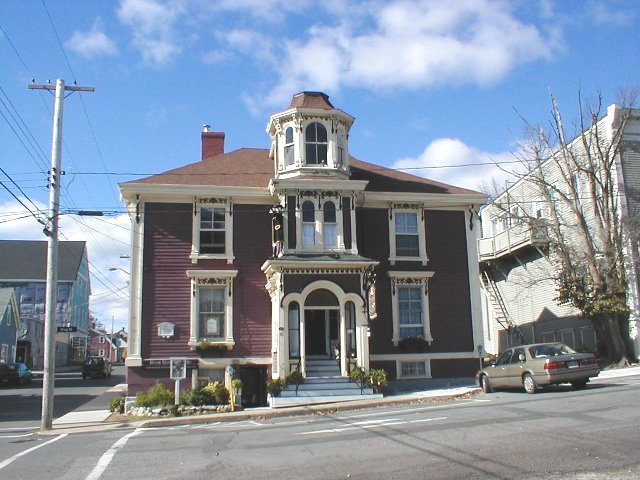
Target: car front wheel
x,y
529,383
485,383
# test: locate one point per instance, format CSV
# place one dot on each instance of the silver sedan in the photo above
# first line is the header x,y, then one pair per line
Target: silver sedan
x,y
537,365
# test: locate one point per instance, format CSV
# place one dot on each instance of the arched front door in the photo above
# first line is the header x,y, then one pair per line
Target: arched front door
x,y
321,324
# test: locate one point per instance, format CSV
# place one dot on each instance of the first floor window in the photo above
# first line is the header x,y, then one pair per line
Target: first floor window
x,y
410,308
212,306
413,369
211,310
294,330
410,305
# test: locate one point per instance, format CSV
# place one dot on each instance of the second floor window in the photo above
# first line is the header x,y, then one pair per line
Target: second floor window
x,y
308,224
407,237
329,226
212,230
315,144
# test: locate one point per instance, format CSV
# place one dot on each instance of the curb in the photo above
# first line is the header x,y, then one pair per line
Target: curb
x,y
118,422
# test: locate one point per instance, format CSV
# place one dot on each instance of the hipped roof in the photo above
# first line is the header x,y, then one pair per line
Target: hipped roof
x,y
252,167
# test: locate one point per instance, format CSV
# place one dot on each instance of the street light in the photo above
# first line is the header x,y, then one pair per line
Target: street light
x,y
113,269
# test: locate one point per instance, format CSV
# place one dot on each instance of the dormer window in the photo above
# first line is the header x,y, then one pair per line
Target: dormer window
x,y
288,147
316,144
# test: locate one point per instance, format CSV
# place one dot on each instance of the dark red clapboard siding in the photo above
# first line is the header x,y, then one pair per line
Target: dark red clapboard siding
x,y
450,309
167,289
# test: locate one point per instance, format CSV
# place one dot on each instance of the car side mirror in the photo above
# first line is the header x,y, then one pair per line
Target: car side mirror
x,y
492,363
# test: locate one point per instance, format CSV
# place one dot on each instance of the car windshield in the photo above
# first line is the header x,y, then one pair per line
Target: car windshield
x,y
549,350
93,361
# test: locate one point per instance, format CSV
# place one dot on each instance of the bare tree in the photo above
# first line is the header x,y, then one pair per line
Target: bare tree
x,y
578,182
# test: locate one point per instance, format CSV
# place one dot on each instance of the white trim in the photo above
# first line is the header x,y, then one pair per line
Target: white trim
x,y
228,233
427,369
227,277
422,277
422,356
475,287
421,233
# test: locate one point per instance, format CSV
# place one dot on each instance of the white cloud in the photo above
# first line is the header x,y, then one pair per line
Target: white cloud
x,y
414,44
92,43
451,161
153,23
610,15
107,239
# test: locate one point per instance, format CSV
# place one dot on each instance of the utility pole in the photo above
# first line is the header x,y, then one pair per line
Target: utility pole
x,y
51,301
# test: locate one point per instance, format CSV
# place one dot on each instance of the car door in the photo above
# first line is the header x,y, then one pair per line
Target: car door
x,y
515,368
501,371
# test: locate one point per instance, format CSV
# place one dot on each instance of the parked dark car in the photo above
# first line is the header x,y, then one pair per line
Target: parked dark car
x,y
537,365
96,367
17,373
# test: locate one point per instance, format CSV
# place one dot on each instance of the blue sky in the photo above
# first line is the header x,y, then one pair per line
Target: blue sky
x,y
433,85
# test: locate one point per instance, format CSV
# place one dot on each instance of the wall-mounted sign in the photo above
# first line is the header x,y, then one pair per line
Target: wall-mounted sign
x,y
166,330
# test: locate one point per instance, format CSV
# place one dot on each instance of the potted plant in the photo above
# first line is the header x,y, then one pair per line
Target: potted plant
x,y
295,377
414,344
208,349
275,386
377,378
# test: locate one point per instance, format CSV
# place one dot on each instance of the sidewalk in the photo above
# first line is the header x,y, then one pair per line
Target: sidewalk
x,y
103,419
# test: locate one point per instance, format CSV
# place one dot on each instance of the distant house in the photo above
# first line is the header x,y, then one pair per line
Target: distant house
x,y
518,266
9,325
259,261
23,266
100,344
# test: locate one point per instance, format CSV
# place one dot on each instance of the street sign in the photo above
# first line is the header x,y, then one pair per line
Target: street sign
x,y
67,328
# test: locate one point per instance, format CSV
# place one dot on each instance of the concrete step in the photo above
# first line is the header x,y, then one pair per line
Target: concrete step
x,y
283,402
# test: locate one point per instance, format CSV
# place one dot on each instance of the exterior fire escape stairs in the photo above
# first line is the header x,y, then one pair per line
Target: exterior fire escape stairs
x,y
501,313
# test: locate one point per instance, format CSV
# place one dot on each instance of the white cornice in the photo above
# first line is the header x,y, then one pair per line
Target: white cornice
x,y
186,193
430,200
318,184
277,265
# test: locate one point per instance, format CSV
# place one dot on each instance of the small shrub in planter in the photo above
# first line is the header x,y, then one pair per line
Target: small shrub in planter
x,y
275,386
377,378
295,377
359,375
207,349
218,392
116,404
156,396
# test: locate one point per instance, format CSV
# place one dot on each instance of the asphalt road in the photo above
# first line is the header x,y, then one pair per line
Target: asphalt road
x,y
21,407
555,434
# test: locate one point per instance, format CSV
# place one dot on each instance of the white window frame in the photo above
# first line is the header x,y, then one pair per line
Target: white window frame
x,y
228,229
427,368
412,279
101,339
101,352
318,245
207,278
422,242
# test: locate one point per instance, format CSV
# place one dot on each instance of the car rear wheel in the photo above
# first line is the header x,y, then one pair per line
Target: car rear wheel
x,y
579,385
529,383
485,383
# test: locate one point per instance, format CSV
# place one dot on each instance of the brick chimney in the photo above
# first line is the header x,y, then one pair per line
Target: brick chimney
x,y
212,142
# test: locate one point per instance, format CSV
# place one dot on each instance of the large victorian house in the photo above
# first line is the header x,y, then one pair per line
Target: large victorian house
x,y
256,262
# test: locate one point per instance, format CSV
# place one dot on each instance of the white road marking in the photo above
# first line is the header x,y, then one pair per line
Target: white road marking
x,y
106,458
18,436
26,452
385,422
